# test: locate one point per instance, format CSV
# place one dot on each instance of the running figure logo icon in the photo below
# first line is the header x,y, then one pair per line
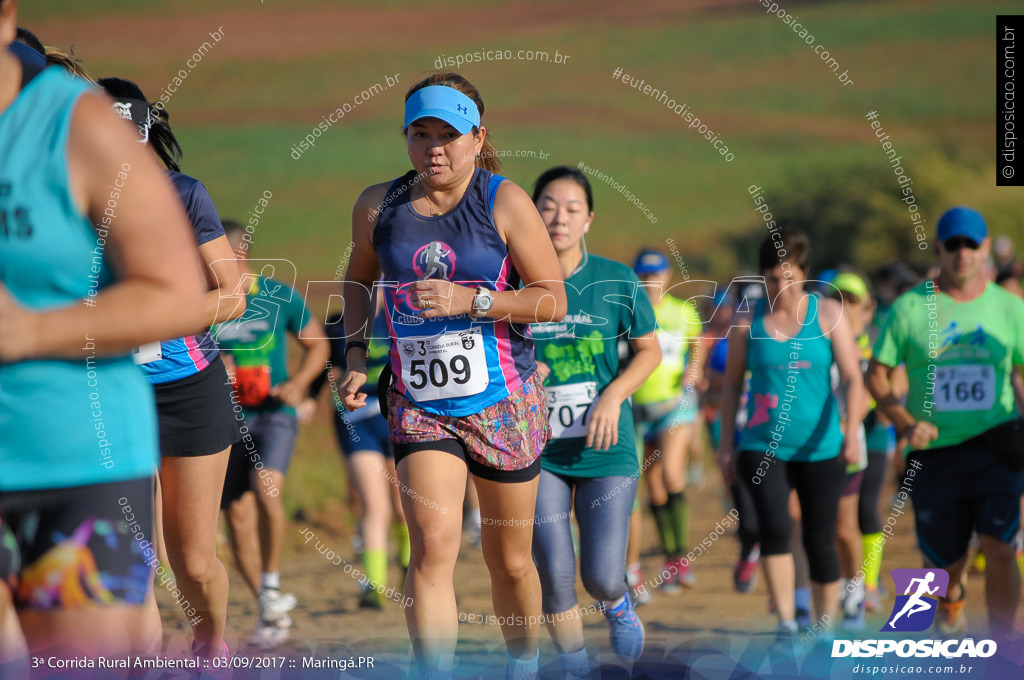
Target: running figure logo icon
x,y
435,260
913,611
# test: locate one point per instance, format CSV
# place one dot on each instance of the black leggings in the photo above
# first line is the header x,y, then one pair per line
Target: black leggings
x,y
748,530
868,516
818,486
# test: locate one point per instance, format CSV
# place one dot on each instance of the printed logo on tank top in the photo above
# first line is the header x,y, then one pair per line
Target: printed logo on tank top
x,y
434,260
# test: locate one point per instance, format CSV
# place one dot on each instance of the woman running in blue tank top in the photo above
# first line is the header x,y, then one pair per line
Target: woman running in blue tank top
x,y
85,275
793,438
193,399
453,241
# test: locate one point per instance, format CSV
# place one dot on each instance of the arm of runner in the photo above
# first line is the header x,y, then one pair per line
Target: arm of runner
x,y
732,389
847,358
225,299
316,351
603,430
357,292
880,384
542,297
149,248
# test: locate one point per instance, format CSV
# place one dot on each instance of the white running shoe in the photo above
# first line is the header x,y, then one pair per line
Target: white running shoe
x,y
270,635
274,605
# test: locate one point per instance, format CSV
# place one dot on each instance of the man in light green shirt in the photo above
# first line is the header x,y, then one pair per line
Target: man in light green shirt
x,y
960,337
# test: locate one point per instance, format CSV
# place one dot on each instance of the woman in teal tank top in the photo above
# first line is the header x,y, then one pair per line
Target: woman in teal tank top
x,y
85,275
793,439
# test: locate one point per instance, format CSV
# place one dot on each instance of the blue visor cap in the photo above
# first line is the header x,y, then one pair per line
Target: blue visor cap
x,y
26,55
446,103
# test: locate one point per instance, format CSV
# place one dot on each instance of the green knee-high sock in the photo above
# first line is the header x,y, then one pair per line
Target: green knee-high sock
x,y
376,564
680,510
872,558
404,549
663,520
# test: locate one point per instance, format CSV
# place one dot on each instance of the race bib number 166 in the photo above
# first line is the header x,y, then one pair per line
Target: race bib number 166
x,y
965,387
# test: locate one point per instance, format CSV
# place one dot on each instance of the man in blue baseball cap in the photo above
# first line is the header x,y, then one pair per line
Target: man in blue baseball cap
x,y
650,261
960,337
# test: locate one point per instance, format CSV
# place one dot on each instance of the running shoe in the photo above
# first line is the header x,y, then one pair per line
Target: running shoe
x,y
786,643
637,588
370,599
744,576
670,585
951,619
873,600
853,605
626,630
207,669
684,575
803,617
273,605
269,635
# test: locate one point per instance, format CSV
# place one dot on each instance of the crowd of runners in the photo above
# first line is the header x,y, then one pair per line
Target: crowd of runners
x,y
485,359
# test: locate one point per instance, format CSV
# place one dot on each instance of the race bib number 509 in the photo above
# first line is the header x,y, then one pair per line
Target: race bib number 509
x,y
444,366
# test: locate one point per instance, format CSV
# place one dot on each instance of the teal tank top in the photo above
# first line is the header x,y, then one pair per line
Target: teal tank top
x,y
74,422
791,410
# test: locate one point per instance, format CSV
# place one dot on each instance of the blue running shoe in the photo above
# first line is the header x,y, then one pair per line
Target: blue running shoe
x,y
627,631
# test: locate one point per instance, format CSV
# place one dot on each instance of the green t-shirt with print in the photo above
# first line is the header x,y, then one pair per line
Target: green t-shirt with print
x,y
258,342
605,303
959,358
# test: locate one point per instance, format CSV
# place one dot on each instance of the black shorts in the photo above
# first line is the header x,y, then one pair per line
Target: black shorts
x,y
195,414
959,489
77,547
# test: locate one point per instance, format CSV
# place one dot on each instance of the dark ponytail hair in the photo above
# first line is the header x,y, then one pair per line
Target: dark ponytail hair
x,y
488,156
564,172
161,138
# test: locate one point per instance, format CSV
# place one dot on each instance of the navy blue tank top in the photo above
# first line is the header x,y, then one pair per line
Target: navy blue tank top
x,y
452,365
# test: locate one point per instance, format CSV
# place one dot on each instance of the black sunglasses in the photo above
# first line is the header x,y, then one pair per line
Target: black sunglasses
x,y
954,244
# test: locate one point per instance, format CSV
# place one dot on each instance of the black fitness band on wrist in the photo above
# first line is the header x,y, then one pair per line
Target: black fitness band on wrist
x,y
357,343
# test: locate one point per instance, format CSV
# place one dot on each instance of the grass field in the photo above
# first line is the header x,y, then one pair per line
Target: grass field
x,y
928,68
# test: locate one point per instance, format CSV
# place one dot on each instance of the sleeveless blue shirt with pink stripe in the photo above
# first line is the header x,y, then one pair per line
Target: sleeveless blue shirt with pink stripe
x,y
454,365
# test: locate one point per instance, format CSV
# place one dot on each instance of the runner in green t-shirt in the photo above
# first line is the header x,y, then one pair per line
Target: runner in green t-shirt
x,y
590,465
255,348
666,408
960,337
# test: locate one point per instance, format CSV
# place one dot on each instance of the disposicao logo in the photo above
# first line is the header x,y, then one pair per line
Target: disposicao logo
x,y
913,612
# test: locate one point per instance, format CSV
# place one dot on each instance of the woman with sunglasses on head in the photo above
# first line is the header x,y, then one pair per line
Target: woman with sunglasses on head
x,y
453,241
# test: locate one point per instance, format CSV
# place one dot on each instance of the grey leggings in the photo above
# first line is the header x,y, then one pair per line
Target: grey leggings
x,y
603,506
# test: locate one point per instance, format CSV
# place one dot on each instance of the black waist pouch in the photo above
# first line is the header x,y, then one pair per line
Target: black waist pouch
x,y
1006,441
383,385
